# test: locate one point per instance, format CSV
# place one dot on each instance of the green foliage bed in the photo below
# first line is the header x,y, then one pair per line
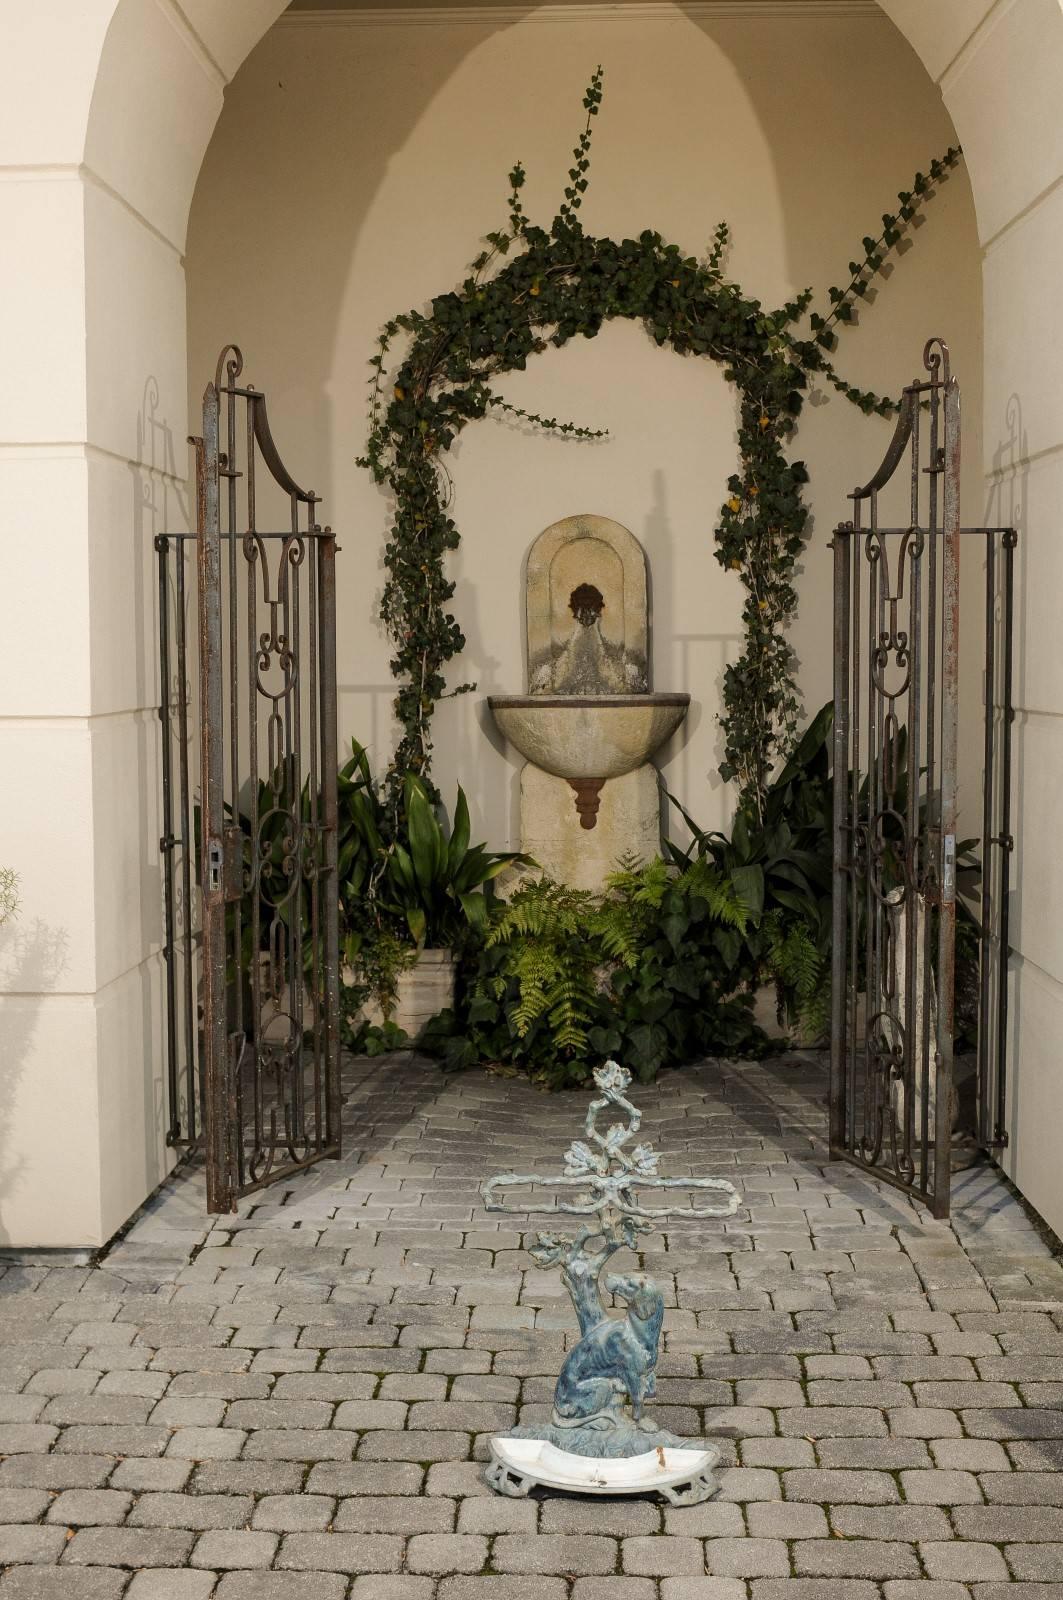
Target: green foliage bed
x,y
662,968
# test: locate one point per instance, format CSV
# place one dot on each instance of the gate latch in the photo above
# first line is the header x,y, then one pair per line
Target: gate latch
x,y
948,875
214,862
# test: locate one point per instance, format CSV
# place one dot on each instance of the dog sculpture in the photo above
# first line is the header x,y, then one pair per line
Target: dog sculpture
x,y
615,1358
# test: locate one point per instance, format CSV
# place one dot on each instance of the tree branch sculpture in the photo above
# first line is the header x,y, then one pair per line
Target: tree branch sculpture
x,y
610,1372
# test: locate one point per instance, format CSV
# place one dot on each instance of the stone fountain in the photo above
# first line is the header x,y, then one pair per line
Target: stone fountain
x,y
589,724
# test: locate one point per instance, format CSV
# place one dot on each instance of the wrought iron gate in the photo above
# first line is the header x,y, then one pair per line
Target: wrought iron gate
x,y
898,867
252,962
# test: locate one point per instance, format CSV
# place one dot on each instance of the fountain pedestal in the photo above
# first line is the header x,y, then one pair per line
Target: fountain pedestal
x,y
624,816
589,723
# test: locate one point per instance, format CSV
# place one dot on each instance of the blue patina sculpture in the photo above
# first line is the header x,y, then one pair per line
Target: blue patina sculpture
x,y
610,1373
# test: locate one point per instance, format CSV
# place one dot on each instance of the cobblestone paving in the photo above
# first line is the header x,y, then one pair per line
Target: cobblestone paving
x,y
291,1404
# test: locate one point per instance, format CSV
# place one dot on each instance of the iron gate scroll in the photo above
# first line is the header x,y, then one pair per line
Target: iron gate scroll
x,y
896,862
255,1079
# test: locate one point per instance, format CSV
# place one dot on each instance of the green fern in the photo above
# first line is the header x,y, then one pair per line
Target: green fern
x,y
620,934
643,884
800,971
542,909
724,901
568,961
550,953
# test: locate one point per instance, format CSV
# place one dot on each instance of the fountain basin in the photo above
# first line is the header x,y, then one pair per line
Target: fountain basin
x,y
588,736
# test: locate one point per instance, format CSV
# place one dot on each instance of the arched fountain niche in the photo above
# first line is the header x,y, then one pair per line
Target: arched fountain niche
x,y
589,723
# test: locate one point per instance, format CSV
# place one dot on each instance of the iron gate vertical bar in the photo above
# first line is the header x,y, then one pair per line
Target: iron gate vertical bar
x,y
195,1089
950,629
296,929
873,1131
931,841
1007,843
314,819
167,842
985,1044
236,1036
916,979
928,840
842,849
254,558
330,817
212,877
856,842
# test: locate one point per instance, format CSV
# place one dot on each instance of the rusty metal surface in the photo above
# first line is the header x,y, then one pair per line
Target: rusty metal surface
x,y
252,1004
896,732
212,778
178,845
997,842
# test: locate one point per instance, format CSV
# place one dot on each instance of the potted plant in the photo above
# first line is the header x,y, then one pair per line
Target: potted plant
x,y
409,895
780,867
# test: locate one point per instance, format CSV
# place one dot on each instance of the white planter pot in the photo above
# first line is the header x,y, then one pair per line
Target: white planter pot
x,y
420,992
424,989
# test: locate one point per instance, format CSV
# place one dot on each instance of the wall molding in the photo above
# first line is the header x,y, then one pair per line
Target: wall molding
x,y
973,44
192,42
611,10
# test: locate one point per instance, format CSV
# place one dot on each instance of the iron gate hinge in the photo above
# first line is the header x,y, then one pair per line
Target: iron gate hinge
x,y
215,856
948,871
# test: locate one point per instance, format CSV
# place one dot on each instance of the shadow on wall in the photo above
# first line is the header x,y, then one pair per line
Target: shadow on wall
x,y
33,957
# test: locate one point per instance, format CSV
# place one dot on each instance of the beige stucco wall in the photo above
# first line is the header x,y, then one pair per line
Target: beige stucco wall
x,y
106,108
999,66
353,172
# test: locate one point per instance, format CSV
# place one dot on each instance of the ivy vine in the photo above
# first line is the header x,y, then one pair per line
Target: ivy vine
x,y
534,288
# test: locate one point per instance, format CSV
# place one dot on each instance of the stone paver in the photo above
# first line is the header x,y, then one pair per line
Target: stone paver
x,y
293,1403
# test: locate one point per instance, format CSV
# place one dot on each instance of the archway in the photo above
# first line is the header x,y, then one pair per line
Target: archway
x,y
101,147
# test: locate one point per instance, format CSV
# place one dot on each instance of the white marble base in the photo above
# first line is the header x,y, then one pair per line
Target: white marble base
x,y
684,1477
551,828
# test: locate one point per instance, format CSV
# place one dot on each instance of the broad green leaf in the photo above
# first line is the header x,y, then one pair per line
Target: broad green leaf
x,y
749,886
740,839
424,834
475,908
792,901
402,869
789,873
459,837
